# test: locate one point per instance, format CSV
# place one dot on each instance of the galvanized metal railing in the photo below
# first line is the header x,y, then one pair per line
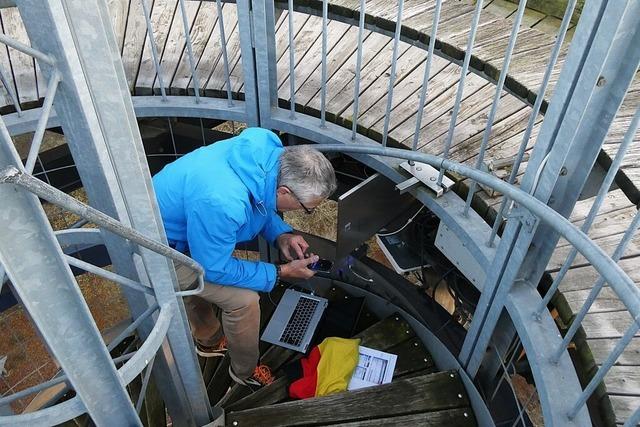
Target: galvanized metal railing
x,y
525,208
135,362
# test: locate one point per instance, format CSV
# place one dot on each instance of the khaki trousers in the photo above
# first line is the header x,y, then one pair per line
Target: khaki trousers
x,y
240,319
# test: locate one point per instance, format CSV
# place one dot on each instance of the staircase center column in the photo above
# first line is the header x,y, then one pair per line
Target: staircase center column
x,y
96,114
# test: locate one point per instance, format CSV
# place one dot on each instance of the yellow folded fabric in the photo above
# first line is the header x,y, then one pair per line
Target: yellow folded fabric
x,y
338,359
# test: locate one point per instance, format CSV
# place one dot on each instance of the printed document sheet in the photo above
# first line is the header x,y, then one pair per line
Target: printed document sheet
x,y
374,368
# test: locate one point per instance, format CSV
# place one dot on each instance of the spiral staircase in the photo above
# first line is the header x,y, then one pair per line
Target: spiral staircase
x,y
529,108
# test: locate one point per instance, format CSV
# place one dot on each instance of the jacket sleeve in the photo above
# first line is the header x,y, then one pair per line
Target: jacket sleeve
x,y
211,233
274,227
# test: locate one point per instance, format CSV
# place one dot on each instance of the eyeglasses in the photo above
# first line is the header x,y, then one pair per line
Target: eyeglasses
x,y
306,209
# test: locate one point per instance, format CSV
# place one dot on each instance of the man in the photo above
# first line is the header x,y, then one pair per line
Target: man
x,y
229,192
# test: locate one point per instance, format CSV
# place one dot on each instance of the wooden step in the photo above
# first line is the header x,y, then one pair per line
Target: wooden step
x,y
426,394
386,333
389,335
451,418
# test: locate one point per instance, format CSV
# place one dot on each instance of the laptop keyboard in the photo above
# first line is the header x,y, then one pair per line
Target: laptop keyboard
x,y
299,321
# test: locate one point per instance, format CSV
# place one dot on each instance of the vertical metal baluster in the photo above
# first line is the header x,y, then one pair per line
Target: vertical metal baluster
x,y
2,277
11,91
356,89
496,99
292,75
566,20
192,62
514,349
173,140
506,377
323,84
608,363
225,59
154,49
204,139
524,408
593,294
132,327
593,212
44,171
42,122
145,384
427,71
392,77
463,75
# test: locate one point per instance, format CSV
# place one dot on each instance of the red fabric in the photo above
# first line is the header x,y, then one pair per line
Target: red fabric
x,y
305,387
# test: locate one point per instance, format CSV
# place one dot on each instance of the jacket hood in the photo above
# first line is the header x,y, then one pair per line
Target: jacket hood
x,y
256,159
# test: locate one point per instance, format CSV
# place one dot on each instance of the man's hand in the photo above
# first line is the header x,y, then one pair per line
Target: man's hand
x,y
297,269
292,245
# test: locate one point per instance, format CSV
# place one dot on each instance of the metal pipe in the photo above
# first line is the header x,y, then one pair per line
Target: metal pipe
x,y
392,77
52,415
323,85
28,50
593,212
150,346
595,290
154,49
79,223
11,90
223,46
12,175
356,89
608,363
427,71
36,142
145,384
109,275
292,74
32,390
463,75
566,20
132,327
496,98
192,62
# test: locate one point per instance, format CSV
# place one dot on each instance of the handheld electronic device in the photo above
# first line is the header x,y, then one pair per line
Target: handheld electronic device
x,y
322,266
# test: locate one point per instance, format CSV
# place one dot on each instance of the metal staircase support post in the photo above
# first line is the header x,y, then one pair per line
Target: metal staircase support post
x,y
600,66
248,58
264,39
45,284
95,109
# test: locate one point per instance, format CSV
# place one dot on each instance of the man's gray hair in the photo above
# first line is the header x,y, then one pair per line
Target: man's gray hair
x,y
307,173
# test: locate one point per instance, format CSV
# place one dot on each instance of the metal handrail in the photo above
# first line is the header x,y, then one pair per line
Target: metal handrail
x,y
12,175
610,271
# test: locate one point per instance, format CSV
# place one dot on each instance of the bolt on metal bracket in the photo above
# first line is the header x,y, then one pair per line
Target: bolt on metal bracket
x,y
425,174
528,220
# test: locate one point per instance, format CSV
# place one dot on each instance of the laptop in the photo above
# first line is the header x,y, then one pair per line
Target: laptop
x,y
295,320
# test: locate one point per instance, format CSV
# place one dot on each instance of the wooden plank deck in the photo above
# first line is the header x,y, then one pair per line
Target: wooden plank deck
x,y
604,324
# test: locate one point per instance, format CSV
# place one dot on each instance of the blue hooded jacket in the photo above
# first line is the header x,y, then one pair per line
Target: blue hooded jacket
x,y
220,195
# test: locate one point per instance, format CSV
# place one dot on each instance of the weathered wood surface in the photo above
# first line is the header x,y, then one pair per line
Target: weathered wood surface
x,y
450,418
623,407
430,393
